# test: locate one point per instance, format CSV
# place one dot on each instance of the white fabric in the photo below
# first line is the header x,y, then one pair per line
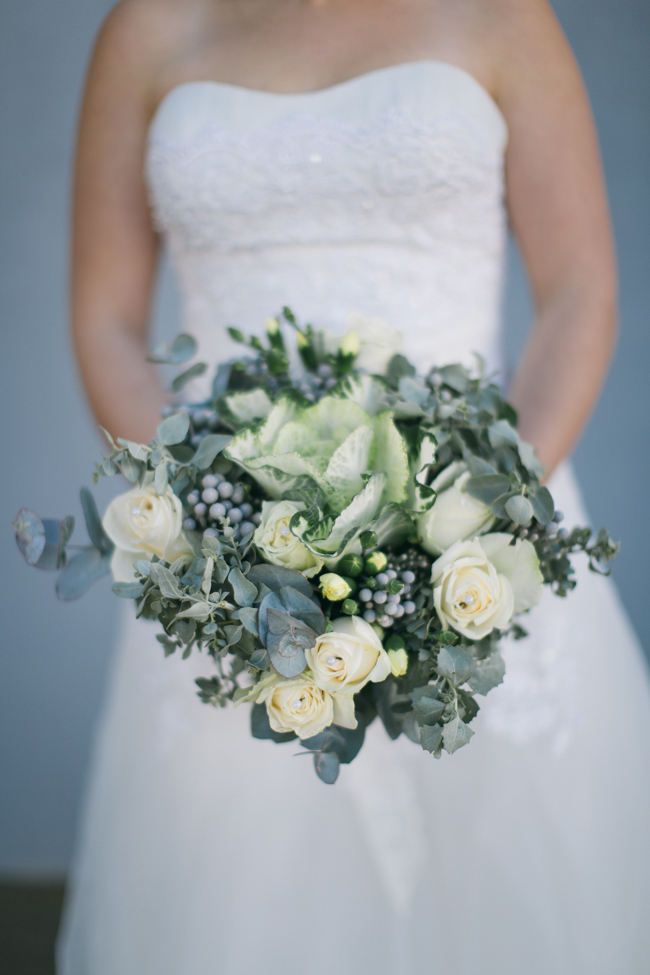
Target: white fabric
x,y
205,851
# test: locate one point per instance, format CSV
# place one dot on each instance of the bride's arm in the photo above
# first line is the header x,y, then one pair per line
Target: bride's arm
x,y
558,209
114,246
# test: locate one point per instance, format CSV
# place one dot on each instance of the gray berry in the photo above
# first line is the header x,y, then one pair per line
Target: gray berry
x,y
408,577
246,509
365,595
380,597
189,524
235,515
209,481
409,607
370,616
200,509
217,510
238,494
246,528
210,495
382,579
226,489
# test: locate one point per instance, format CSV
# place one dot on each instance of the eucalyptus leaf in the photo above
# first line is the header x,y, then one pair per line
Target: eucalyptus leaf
x,y
244,591
176,353
519,510
160,477
128,590
488,674
430,737
276,577
166,581
327,765
94,526
79,574
173,429
181,380
455,734
456,664
487,487
543,505
209,448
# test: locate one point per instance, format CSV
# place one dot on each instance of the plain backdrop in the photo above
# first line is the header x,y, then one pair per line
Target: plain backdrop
x,y
55,657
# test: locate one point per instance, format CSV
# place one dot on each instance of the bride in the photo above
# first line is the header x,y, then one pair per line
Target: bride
x,y
342,157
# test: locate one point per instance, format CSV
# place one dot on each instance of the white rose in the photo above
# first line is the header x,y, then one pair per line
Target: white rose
x,y
346,658
454,515
377,342
478,585
142,523
278,544
297,705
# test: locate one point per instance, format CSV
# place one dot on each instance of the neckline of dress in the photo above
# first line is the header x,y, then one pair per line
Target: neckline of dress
x,y
355,80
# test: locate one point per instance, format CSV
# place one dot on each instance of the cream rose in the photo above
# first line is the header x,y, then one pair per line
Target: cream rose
x,y
344,659
478,585
454,515
278,544
298,705
142,523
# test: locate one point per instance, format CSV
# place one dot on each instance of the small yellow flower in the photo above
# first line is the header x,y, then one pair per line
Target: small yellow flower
x,y
350,344
334,587
399,662
272,326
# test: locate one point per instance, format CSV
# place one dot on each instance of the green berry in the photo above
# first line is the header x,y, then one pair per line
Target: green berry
x,y
350,607
351,565
375,562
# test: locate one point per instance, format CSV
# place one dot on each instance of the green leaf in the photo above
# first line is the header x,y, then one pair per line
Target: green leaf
x,y
128,590
455,663
327,765
487,487
295,605
85,568
178,382
173,430
276,577
543,506
244,591
209,448
286,640
502,434
430,736
519,509
428,710
175,353
94,526
42,541
488,674
166,581
455,734
160,477
247,616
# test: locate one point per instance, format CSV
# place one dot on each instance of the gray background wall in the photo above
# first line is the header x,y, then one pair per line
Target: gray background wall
x,y
55,658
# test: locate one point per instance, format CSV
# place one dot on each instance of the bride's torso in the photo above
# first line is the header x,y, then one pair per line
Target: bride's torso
x,y
382,195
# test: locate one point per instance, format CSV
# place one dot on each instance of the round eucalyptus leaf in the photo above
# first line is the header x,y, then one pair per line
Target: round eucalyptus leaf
x,y
327,766
30,535
520,510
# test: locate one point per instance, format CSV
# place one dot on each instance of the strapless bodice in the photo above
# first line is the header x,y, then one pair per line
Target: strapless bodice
x,y
380,196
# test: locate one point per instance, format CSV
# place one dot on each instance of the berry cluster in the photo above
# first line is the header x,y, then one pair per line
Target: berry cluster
x,y
381,589
219,500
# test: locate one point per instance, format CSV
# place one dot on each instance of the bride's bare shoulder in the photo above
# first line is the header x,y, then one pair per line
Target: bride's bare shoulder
x,y
140,38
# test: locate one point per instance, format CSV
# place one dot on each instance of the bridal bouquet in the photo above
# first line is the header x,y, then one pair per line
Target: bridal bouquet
x,y
346,538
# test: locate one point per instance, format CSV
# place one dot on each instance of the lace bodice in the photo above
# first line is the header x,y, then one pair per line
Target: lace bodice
x,y
380,196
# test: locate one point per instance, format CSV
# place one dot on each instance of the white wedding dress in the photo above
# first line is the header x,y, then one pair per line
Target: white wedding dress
x,y
206,852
